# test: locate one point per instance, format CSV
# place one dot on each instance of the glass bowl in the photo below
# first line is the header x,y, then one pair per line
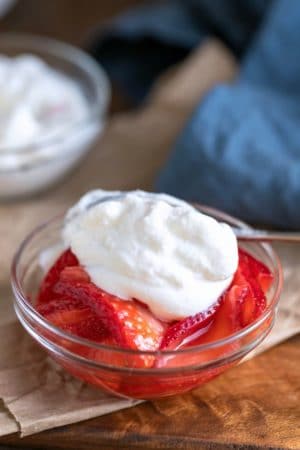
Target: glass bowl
x,y
29,169
119,371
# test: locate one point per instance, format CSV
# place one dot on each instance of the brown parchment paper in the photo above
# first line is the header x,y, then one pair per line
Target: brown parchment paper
x,y
36,394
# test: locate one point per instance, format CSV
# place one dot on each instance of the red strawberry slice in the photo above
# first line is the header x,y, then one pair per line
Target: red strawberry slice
x,y
73,316
67,258
257,277
130,323
250,305
224,321
96,299
74,274
242,303
219,326
253,268
140,328
181,330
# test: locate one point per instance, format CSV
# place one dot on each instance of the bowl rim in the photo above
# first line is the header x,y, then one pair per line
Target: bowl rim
x,y
79,58
26,306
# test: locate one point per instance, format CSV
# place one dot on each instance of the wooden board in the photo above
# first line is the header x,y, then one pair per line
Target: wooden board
x,y
253,406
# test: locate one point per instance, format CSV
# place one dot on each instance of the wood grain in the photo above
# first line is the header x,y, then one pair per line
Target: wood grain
x,y
253,406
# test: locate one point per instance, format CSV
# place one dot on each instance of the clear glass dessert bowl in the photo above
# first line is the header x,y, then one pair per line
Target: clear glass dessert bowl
x,y
26,169
119,371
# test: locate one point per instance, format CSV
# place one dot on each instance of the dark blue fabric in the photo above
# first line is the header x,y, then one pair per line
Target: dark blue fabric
x,y
240,150
137,46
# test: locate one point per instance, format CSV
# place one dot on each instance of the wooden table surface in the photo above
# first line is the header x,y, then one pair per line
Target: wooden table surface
x,y
253,406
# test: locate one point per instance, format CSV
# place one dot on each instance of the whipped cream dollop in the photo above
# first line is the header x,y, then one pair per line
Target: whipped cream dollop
x,y
36,101
154,248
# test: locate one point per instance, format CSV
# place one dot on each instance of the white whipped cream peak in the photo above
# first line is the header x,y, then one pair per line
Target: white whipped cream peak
x,y
36,101
154,248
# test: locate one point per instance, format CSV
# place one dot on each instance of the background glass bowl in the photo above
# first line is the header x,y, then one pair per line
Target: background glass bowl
x,y
119,371
25,170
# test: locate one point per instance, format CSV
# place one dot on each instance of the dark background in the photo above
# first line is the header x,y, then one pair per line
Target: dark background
x,y
69,20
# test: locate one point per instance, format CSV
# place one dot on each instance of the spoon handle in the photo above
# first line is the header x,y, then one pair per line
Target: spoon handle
x,y
248,234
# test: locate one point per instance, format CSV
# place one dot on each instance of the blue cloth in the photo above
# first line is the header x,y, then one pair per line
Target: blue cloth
x,y
240,150
137,46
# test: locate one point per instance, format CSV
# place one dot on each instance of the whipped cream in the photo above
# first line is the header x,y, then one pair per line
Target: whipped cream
x,y
154,248
36,101
40,113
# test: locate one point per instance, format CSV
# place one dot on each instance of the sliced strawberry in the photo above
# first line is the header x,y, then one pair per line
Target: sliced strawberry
x,y
130,323
254,303
58,309
221,325
75,317
251,267
67,258
242,303
181,330
257,277
72,302
224,321
96,299
74,274
140,328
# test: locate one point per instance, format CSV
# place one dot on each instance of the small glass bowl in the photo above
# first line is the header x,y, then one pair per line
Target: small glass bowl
x,y
120,371
29,169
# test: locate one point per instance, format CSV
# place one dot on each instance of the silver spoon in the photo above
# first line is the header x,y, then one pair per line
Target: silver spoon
x,y
250,234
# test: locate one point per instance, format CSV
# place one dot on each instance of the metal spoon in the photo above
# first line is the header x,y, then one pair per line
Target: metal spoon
x,y
250,234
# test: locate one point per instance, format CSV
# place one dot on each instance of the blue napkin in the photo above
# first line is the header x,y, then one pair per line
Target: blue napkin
x,y
240,150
